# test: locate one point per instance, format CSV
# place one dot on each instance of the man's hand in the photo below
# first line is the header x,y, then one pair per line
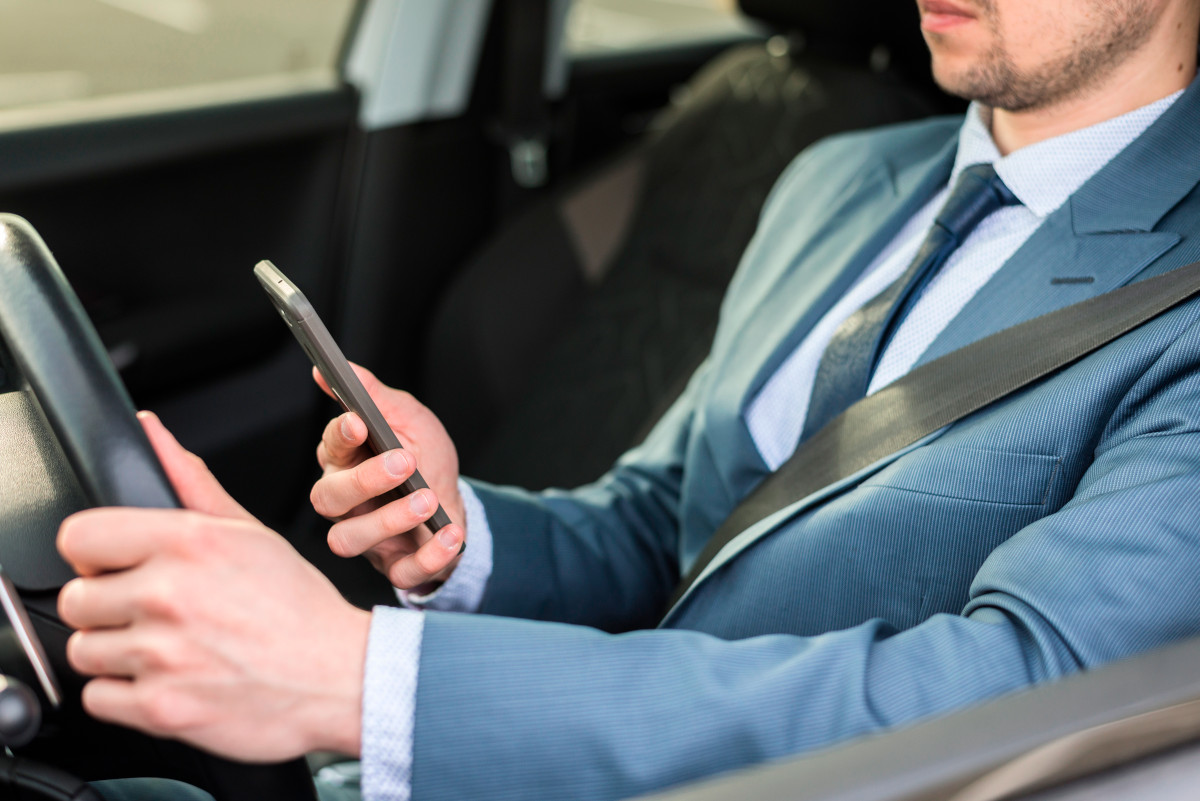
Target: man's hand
x,y
203,625
390,535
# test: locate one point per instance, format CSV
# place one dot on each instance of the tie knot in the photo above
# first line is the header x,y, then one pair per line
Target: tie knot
x,y
978,192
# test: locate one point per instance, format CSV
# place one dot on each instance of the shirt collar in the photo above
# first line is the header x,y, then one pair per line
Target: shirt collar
x,y
1045,174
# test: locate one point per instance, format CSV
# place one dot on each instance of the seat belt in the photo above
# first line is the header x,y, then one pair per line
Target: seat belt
x,y
525,118
944,391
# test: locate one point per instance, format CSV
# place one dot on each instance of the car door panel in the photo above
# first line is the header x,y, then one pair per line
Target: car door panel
x,y
157,219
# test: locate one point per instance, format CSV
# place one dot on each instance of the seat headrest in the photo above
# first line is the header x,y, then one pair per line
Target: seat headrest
x,y
853,24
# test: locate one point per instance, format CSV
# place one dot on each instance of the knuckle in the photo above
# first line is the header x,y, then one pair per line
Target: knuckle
x,y
92,703
183,533
161,601
365,479
401,575
150,657
319,498
70,602
195,537
77,655
429,561
341,541
198,463
408,402
359,483
161,654
368,377
66,537
395,518
167,711
72,534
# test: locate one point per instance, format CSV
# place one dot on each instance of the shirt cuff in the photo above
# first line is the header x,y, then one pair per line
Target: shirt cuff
x,y
463,591
389,703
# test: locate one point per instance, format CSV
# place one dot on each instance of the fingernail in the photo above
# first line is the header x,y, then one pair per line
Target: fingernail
x,y
346,428
450,537
419,504
397,463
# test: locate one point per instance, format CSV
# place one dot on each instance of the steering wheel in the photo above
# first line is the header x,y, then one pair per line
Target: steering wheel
x,y
93,452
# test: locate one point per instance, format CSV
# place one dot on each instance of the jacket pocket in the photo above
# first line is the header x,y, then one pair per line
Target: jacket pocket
x,y
972,474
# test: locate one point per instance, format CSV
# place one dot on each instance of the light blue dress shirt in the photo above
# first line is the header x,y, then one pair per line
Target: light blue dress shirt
x,y
1042,176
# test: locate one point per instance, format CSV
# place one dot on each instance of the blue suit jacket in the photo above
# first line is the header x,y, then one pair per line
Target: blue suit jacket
x,y
1053,531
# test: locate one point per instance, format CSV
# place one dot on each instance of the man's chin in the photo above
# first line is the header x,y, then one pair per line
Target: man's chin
x,y
992,86
960,85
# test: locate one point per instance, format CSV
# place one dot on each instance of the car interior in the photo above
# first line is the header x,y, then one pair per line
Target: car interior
x,y
541,263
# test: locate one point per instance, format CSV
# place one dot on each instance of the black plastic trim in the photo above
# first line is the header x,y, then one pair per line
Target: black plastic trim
x,y
39,155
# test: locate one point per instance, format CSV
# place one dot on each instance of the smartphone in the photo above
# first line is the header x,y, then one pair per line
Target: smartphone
x,y
327,357
18,618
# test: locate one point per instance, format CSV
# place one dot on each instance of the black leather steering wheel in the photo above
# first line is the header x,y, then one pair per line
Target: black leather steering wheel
x,y
99,456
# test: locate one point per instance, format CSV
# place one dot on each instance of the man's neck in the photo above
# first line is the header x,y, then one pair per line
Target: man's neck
x,y
1149,76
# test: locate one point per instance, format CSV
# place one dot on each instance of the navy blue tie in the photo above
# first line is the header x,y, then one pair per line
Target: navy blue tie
x,y
849,360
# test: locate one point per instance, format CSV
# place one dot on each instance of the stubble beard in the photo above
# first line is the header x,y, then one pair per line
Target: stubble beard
x,y
996,81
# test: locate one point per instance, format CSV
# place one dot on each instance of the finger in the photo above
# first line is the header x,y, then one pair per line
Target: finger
x,y
105,601
197,487
97,541
423,565
360,533
322,383
335,494
338,493
138,705
368,379
342,442
114,700
110,652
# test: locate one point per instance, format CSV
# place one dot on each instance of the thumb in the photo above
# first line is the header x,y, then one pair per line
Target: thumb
x,y
197,488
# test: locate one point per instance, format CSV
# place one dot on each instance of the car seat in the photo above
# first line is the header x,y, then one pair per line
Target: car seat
x,y
576,325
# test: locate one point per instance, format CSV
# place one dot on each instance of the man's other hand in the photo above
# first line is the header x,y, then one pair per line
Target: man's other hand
x,y
390,535
203,625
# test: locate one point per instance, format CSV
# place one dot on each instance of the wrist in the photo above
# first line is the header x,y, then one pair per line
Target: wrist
x,y
334,718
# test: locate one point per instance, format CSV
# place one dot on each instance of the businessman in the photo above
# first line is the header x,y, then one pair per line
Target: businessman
x,y
1045,534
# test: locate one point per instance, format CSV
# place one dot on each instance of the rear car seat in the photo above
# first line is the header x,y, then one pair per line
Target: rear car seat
x,y
569,333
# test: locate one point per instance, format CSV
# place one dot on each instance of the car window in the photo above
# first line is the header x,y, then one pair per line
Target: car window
x,y
56,51
603,26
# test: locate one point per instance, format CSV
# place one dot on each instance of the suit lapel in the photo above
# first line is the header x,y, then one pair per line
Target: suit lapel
x,y
817,277
1053,269
1104,233
1102,238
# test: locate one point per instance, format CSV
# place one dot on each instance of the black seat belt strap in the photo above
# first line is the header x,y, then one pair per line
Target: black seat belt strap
x,y
525,123
945,390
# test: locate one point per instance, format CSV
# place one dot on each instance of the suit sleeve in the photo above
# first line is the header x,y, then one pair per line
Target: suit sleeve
x,y
603,555
560,711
